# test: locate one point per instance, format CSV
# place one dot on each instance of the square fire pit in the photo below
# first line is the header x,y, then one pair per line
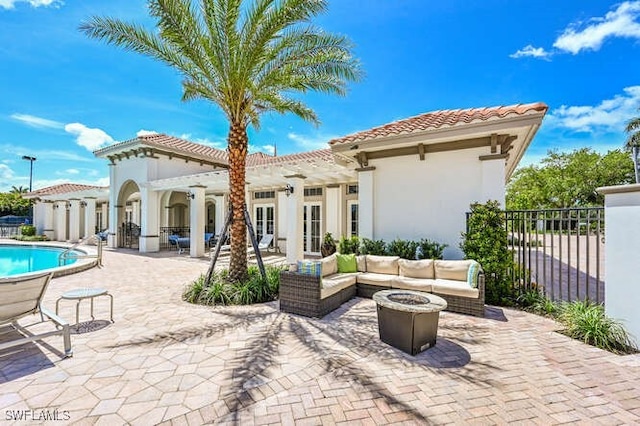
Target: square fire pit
x,y
408,320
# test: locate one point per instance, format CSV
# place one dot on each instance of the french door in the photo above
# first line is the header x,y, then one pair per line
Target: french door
x,y
264,220
312,224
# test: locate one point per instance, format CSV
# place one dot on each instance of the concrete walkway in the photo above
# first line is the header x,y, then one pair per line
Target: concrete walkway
x,y
164,360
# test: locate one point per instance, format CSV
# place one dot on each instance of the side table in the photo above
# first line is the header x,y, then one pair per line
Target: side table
x,y
84,293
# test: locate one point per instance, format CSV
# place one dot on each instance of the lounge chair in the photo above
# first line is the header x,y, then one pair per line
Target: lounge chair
x,y
22,296
265,243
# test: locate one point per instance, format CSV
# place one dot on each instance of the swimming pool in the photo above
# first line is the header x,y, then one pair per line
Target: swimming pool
x,y
21,259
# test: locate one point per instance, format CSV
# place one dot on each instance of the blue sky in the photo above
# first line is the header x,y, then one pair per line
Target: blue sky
x,y
63,95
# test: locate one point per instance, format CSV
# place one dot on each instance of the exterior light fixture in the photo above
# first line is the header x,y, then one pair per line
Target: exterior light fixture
x,y
288,190
30,160
191,195
83,203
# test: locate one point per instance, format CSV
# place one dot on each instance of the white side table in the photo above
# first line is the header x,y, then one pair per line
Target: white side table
x,y
84,293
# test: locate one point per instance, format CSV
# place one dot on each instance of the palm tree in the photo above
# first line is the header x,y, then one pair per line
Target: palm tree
x,y
19,189
248,57
633,143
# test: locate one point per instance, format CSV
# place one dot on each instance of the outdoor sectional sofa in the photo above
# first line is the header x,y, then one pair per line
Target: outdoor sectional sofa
x,y
317,295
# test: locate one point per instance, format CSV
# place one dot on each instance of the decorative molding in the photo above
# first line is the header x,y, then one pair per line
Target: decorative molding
x,y
149,236
197,186
493,157
298,176
333,185
619,189
366,169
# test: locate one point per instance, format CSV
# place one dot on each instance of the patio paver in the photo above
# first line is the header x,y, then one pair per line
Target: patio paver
x,y
164,360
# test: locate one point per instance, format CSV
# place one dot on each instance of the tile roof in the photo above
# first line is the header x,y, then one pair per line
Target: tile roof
x,y
63,188
440,119
160,140
262,159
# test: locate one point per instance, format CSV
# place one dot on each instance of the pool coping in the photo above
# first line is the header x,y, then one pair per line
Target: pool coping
x,y
78,266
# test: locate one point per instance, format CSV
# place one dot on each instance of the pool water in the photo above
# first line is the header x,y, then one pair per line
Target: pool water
x,y
20,259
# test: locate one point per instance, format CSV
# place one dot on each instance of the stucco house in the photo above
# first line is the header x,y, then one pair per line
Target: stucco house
x,y
412,178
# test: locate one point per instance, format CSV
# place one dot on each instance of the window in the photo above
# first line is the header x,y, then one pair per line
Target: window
x,y
352,189
312,192
352,208
262,195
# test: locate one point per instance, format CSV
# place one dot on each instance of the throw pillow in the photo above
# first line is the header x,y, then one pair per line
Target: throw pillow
x,y
347,263
308,267
472,275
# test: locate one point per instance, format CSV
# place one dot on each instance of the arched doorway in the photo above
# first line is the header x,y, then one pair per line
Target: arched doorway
x,y
129,208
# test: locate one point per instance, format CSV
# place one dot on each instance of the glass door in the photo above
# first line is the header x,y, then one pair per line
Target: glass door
x,y
312,224
264,221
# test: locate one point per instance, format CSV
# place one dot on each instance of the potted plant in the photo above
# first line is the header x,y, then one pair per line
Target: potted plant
x,y
328,245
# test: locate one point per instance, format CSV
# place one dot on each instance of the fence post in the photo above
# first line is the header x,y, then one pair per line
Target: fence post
x,y
622,245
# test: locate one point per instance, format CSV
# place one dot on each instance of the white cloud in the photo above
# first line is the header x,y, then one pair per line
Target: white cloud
x,y
608,115
143,132
310,142
534,52
87,137
33,121
10,4
267,149
48,154
621,22
6,172
72,171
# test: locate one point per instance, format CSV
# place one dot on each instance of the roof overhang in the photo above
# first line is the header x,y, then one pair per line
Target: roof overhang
x,y
507,137
100,194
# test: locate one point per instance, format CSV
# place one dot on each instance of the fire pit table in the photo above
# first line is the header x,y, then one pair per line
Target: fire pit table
x,y
407,319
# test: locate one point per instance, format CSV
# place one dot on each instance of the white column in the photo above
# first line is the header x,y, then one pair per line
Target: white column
x,y
221,212
89,217
622,245
48,228
493,180
74,220
281,217
197,221
333,207
105,215
114,189
365,202
135,212
61,221
150,218
295,204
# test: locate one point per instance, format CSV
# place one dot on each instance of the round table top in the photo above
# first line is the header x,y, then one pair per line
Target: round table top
x,y
81,293
409,301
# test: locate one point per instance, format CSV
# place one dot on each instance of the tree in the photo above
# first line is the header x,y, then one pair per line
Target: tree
x,y
633,143
12,203
248,57
568,179
19,189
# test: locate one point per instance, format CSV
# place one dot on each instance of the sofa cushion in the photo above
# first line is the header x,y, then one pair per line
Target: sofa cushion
x,y
310,267
416,268
329,265
371,278
347,263
383,264
408,283
454,288
334,283
361,261
456,270
472,274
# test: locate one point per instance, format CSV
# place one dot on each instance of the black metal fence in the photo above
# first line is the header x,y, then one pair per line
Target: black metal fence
x,y
560,251
129,235
8,231
165,231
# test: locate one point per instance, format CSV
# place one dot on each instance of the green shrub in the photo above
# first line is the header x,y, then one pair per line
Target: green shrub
x,y
221,291
587,322
349,245
376,247
30,238
28,230
533,300
406,249
486,242
428,249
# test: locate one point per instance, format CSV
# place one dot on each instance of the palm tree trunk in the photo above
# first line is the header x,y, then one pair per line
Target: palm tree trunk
x,y
238,142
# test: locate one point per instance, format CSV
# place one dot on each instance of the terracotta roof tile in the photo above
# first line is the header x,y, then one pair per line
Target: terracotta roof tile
x,y
261,159
63,188
160,140
440,119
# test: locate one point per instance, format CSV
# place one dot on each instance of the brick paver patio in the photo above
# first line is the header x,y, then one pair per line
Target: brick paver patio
x,y
164,360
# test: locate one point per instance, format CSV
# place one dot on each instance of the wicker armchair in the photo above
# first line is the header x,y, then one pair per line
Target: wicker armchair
x,y
300,294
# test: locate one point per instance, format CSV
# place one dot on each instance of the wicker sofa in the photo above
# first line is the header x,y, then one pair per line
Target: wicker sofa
x,y
317,295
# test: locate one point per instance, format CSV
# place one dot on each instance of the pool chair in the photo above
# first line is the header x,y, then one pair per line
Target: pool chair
x,y
21,297
265,244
